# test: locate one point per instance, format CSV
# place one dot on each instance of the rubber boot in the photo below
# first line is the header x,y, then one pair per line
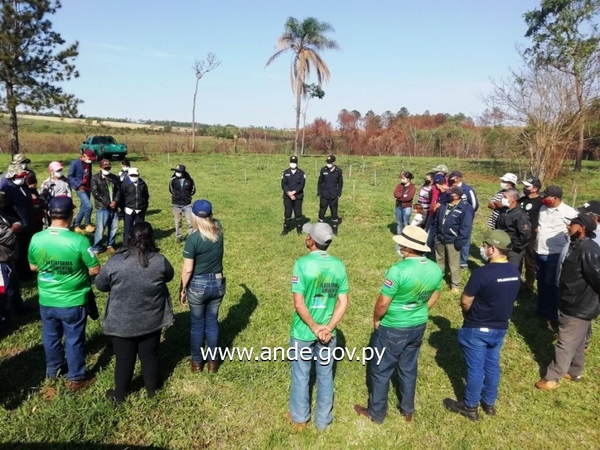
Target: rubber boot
x,y
286,228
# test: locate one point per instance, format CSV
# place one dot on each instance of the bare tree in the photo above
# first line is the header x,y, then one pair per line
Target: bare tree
x,y
201,68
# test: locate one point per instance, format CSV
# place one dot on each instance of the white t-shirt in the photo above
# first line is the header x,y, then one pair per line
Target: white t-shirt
x,y
552,229
417,220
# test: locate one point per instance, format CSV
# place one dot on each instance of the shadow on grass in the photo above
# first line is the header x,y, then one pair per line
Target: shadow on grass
x,y
176,345
448,355
238,317
160,233
74,446
151,212
393,227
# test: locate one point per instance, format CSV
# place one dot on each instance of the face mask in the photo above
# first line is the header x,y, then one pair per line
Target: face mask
x,y
575,236
427,182
23,166
178,174
503,186
505,202
134,178
451,181
546,201
124,168
87,161
58,174
329,166
105,172
482,253
403,181
18,181
527,191
293,165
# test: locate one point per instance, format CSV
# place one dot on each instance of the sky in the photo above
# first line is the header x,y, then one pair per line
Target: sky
x,y
136,57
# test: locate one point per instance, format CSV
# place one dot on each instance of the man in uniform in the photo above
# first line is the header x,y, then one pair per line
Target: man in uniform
x,y
292,184
320,292
329,189
515,222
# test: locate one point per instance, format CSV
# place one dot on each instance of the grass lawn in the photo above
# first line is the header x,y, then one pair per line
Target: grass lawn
x,y
244,404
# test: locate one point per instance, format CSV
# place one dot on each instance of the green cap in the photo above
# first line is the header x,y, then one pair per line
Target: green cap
x,y
496,238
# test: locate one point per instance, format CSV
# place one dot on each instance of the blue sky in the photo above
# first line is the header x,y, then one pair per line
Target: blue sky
x,y
136,57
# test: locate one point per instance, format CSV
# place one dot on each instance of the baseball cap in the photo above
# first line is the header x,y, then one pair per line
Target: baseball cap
x,y
457,190
330,159
105,163
133,171
441,168
586,221
293,159
552,191
496,238
535,182
202,208
510,178
593,207
179,168
90,154
320,232
439,179
20,158
61,204
455,174
55,166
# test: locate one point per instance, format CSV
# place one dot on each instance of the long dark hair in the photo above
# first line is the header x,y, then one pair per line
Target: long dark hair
x,y
141,240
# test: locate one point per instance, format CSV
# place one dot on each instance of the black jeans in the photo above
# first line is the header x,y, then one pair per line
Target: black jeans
x,y
331,203
289,205
129,220
126,349
516,258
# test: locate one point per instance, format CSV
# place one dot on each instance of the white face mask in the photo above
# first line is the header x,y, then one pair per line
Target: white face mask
x,y
483,255
293,165
18,181
124,168
23,166
329,166
505,202
178,174
134,178
504,186
105,172
87,161
58,174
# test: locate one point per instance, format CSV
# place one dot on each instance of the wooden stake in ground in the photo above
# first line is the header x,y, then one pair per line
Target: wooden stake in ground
x,y
350,173
375,178
354,190
245,176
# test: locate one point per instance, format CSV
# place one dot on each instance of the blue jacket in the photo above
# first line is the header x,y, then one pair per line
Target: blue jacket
x,y
76,173
470,196
454,228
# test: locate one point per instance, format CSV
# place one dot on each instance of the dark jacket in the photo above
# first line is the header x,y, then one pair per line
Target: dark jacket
x,y
330,183
100,190
579,282
454,227
76,172
182,193
134,196
138,300
404,195
19,203
9,249
293,182
470,196
517,225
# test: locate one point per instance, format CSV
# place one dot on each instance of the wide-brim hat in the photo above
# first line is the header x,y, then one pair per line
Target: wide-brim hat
x,y
413,237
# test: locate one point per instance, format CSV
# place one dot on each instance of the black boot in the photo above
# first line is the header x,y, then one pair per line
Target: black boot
x,y
299,226
334,227
462,409
286,228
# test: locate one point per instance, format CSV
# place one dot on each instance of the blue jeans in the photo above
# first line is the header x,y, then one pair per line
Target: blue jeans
x,y
481,350
105,218
204,296
69,322
129,220
177,212
322,355
400,347
464,252
402,217
548,293
84,216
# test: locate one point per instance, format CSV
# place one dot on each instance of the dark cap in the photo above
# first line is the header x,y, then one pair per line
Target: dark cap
x,y
179,168
90,154
456,190
586,221
455,174
439,179
535,182
202,208
552,191
61,205
105,163
593,207
294,159
330,159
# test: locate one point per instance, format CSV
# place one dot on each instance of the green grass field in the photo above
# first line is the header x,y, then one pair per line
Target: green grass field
x,y
244,404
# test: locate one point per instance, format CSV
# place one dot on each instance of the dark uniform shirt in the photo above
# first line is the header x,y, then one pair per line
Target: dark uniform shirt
x,y
517,225
532,207
293,181
330,183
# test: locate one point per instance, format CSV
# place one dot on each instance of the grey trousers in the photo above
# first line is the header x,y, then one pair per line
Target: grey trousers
x,y
569,356
447,254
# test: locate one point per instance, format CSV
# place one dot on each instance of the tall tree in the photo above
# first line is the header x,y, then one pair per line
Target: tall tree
x,y
565,36
201,68
305,40
310,91
33,61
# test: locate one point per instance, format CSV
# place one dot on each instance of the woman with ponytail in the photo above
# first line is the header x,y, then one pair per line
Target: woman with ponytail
x,y
203,285
138,308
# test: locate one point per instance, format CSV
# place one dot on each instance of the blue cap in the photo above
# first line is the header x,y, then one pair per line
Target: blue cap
x,y
61,205
439,179
202,208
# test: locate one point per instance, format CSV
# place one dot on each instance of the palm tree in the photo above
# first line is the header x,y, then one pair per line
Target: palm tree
x,y
305,40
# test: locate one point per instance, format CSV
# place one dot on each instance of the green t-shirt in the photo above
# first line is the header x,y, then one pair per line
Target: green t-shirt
x,y
319,277
410,283
63,259
207,255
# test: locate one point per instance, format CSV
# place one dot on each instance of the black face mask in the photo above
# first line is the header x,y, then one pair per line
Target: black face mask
x,y
451,181
426,182
527,191
575,236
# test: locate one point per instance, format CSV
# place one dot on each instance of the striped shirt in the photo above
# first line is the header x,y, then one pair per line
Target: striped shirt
x,y
493,220
425,199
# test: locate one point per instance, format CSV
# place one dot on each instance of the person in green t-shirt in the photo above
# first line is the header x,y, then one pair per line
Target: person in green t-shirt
x,y
64,262
410,289
320,291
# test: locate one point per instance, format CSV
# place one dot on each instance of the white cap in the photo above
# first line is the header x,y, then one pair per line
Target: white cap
x,y
510,177
133,171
